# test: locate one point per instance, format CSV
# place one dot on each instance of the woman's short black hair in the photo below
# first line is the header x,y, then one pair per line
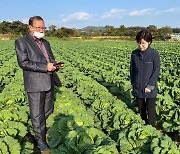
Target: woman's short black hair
x,y
31,19
146,35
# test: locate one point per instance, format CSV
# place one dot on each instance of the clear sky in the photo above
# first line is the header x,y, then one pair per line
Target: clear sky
x,y
82,13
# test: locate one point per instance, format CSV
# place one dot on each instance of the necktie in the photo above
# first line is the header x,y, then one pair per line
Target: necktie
x,y
43,49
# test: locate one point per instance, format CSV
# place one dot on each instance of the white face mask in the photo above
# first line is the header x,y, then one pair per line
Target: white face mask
x,y
39,35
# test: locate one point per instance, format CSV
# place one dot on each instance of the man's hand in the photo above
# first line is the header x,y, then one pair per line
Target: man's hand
x,y
147,90
50,67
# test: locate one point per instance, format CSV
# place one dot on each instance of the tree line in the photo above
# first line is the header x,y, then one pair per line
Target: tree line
x,y
18,28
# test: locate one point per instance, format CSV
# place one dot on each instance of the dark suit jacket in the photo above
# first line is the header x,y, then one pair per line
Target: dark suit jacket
x,y
32,61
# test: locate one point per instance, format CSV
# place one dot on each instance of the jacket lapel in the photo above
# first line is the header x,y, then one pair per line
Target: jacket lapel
x,y
32,42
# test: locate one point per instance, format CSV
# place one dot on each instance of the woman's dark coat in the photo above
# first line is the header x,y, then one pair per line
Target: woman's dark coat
x,y
144,72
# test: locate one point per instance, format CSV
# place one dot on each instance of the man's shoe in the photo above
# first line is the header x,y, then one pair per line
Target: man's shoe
x,y
43,146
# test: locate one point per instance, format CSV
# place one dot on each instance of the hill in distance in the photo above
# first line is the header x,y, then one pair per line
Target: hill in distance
x,y
92,29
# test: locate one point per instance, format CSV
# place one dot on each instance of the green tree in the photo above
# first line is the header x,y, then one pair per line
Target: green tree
x,y
153,29
51,31
52,28
165,32
65,32
19,28
15,27
5,27
121,31
110,30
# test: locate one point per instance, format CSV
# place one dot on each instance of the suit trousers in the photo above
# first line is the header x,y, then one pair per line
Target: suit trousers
x,y
147,110
41,105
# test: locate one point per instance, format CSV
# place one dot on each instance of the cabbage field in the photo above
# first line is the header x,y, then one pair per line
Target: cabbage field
x,y
95,112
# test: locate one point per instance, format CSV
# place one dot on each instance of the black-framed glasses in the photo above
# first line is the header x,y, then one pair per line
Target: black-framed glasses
x,y
39,28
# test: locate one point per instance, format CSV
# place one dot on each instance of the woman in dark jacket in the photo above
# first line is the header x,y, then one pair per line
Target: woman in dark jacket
x,y
144,72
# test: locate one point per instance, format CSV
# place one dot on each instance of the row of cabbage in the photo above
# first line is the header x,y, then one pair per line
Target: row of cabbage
x,y
14,120
88,119
108,63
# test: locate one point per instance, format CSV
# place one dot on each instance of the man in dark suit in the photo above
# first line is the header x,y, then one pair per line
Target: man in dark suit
x,y
35,57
